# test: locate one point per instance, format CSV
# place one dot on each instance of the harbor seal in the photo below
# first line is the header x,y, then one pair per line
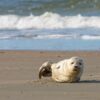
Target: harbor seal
x,y
67,70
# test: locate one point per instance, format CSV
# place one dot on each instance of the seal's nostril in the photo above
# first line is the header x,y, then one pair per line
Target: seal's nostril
x,y
76,66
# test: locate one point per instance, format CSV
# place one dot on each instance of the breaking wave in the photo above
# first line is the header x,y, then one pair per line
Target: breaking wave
x,y
48,21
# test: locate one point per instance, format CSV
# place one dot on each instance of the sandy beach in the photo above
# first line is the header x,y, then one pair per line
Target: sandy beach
x,y
19,76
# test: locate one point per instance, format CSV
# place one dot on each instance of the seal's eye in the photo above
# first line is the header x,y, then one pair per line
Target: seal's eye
x,y
72,62
80,63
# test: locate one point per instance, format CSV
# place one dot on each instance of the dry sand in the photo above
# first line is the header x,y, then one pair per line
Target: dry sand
x,y
19,77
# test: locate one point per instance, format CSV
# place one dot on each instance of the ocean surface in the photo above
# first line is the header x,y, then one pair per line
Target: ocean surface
x,y
50,25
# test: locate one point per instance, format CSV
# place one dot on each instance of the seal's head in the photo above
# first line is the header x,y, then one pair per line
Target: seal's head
x,y
75,64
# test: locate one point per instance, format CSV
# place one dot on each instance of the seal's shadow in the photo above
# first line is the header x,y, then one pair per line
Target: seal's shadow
x,y
90,81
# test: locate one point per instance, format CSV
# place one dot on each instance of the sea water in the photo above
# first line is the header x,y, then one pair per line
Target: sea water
x,y
49,24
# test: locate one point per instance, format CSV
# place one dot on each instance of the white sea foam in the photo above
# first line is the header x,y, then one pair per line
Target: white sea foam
x,y
49,36
48,21
90,37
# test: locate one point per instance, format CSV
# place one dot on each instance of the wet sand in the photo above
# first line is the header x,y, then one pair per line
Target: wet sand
x,y
19,76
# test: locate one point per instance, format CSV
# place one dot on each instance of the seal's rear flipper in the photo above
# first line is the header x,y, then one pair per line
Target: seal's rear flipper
x,y
45,70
